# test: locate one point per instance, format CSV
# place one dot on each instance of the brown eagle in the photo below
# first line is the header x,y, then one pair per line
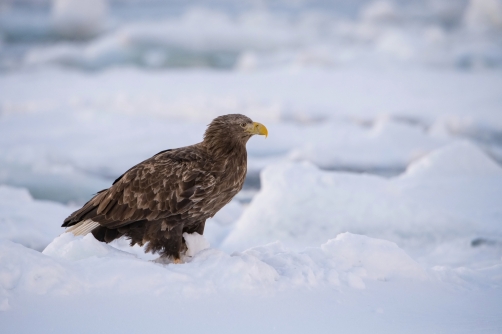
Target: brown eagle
x,y
173,192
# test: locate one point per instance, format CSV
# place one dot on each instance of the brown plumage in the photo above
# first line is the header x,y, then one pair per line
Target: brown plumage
x,y
173,192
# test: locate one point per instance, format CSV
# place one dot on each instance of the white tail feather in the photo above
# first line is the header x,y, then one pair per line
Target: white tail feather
x,y
82,228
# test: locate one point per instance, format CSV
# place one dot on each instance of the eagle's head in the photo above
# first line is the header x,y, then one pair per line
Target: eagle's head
x,y
232,129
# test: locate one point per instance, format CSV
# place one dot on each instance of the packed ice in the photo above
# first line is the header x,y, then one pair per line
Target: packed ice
x,y
374,205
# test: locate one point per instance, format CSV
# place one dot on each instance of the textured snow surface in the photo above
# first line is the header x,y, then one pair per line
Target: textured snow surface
x,y
300,207
28,221
85,264
79,265
348,119
374,206
452,192
443,33
367,251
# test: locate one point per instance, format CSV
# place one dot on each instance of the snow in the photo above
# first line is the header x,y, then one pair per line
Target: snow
x,y
484,14
79,265
267,95
28,221
379,11
269,277
195,243
352,244
372,206
313,251
132,115
381,32
439,196
74,265
386,145
79,19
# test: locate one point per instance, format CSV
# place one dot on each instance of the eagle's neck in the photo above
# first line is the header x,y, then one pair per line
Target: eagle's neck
x,y
230,165
223,145
226,148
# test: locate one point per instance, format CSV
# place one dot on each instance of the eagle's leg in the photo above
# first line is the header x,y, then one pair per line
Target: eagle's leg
x,y
173,244
197,227
200,228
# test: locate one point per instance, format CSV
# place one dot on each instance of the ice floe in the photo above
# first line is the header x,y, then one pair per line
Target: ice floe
x,y
30,222
453,192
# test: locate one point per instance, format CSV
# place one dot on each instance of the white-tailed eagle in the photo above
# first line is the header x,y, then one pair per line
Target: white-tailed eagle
x,y
173,192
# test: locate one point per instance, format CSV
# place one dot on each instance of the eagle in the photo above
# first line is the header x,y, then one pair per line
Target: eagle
x,y
173,192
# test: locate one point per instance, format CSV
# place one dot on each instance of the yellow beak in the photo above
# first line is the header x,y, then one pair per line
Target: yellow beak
x,y
257,129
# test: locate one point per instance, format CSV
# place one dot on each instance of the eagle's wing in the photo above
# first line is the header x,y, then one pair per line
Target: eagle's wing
x,y
168,184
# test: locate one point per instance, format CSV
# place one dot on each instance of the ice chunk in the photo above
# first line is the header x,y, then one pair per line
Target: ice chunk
x,y
72,248
387,147
79,19
484,14
381,260
380,11
30,222
27,271
50,181
301,205
460,159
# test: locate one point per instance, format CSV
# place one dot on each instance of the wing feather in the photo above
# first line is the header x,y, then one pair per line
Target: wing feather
x,y
170,183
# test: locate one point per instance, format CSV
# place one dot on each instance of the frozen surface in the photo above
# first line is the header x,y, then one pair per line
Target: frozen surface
x,y
314,261
27,221
442,33
279,94
332,276
373,206
347,119
450,196
338,262
78,19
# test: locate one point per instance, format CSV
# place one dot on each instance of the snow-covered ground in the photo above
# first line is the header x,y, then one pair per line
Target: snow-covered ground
x,y
375,204
295,261
348,119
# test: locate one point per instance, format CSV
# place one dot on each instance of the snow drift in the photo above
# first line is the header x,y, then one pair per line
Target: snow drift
x,y
452,192
29,222
79,265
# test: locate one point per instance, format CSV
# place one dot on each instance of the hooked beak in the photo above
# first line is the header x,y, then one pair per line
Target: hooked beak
x,y
257,129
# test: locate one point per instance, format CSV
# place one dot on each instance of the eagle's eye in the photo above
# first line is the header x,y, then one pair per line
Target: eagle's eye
x,y
243,125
